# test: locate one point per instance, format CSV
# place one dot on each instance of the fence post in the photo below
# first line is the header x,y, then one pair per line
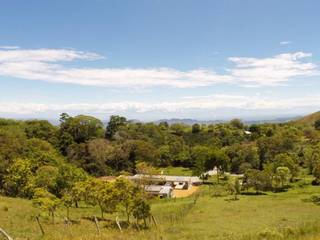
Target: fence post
x,y
118,223
5,234
40,226
97,224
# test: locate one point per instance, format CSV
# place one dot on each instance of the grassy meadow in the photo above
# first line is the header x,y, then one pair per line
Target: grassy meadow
x,y
176,171
213,216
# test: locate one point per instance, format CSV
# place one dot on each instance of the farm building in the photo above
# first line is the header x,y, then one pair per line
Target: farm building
x,y
163,185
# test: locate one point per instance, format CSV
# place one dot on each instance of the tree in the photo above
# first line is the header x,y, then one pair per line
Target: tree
x,y
46,201
283,173
78,129
46,178
316,173
126,194
219,159
196,128
259,180
41,129
200,156
165,156
102,193
286,160
237,123
12,145
164,125
141,210
114,124
19,179
67,200
317,124
234,187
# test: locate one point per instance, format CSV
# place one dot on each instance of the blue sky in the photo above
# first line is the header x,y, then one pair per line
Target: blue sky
x,y
159,58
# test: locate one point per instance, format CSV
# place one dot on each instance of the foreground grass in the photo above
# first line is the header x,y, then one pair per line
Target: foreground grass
x,y
271,216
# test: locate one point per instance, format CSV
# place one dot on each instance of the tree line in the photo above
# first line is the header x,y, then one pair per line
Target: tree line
x,y
35,154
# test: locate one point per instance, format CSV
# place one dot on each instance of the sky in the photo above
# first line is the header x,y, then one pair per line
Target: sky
x,y
157,59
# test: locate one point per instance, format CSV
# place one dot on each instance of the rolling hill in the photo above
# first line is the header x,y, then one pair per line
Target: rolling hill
x,y
309,119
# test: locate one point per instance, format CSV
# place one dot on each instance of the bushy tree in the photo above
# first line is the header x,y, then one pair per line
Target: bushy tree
x,y
234,187
284,174
141,210
196,128
46,201
114,124
19,180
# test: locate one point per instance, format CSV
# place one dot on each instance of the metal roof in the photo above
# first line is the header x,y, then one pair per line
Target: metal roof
x,y
165,178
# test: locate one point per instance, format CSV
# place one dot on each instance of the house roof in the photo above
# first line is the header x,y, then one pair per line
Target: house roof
x,y
166,178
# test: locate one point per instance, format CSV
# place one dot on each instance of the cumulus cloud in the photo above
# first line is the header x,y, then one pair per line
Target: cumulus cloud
x,y
187,103
50,65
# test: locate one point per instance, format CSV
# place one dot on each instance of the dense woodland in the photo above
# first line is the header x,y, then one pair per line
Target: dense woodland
x,y
54,164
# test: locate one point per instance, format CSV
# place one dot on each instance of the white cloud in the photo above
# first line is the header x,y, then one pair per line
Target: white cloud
x,y
49,65
285,43
9,47
272,71
188,103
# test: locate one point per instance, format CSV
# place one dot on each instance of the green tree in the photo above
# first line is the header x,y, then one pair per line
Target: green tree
x,y
284,174
237,123
234,187
141,210
126,194
19,179
41,129
200,156
46,201
196,128
316,172
286,160
67,200
317,124
78,129
46,178
114,124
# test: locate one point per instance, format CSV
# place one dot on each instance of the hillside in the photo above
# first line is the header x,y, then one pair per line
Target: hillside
x,y
309,119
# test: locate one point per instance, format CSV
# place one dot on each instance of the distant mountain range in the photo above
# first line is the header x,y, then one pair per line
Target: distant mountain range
x,y
189,121
308,119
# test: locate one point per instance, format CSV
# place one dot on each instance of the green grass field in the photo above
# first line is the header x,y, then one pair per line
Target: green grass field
x,y
176,171
271,216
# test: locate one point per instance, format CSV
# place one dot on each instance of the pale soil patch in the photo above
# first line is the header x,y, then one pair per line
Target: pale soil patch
x,y
185,193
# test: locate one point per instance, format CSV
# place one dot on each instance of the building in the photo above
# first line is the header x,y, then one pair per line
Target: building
x,y
163,185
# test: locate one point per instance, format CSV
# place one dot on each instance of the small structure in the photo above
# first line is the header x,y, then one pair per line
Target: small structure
x,y
158,190
184,181
163,185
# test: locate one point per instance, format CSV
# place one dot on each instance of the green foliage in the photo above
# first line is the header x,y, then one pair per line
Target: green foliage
x,y
114,124
317,124
196,128
316,171
78,129
284,174
41,129
46,201
237,123
234,187
19,179
141,210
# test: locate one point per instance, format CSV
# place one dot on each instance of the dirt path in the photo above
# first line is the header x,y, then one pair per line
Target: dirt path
x,y
185,193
